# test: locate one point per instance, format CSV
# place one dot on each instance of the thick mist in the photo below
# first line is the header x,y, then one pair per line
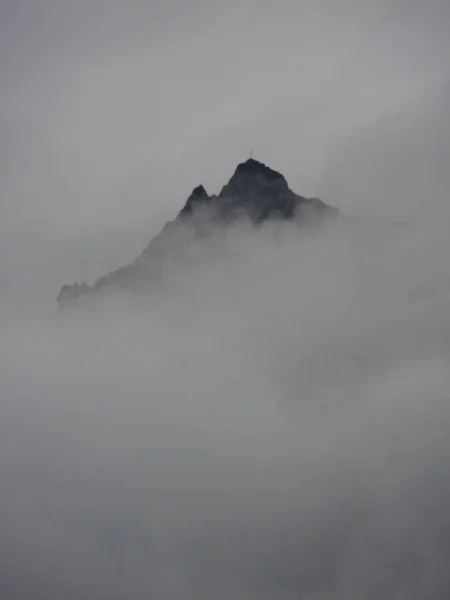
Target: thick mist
x,y
270,421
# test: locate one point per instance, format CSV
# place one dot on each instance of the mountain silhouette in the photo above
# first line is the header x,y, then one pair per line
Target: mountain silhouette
x,y
255,192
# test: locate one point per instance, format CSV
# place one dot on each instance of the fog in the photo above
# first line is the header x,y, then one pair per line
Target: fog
x,y
271,421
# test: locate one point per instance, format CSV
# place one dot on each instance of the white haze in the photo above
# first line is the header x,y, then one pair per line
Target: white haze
x,y
272,422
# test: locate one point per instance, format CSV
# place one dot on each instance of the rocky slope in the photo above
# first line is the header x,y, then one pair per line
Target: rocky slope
x,y
255,192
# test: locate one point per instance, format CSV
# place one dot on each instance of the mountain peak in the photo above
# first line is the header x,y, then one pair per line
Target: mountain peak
x,y
258,191
255,191
252,168
198,197
199,192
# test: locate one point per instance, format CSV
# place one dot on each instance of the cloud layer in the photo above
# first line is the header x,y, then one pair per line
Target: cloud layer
x,y
271,422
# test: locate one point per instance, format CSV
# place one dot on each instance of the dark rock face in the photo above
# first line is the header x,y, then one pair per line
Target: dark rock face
x,y
255,192
198,198
259,191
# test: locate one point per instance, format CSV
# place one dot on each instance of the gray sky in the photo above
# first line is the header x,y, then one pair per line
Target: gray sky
x,y
112,111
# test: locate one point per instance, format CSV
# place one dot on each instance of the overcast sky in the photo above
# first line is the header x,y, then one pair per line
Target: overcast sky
x,y
112,111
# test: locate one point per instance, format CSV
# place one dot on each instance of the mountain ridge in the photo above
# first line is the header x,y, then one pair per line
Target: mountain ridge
x,y
254,192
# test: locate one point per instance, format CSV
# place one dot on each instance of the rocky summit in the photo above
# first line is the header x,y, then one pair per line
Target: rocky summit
x,y
255,192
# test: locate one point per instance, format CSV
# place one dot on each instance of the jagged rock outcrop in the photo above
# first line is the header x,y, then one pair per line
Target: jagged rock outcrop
x,y
254,192
197,199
